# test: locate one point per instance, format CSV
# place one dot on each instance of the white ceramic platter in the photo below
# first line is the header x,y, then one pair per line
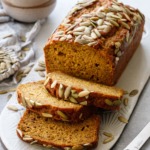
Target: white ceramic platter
x,y
135,76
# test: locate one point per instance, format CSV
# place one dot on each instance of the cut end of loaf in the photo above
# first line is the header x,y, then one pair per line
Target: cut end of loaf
x,y
58,134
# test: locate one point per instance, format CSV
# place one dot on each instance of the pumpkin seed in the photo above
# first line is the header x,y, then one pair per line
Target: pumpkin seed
x,y
117,44
3,92
84,103
9,96
38,104
108,102
46,81
107,134
12,107
27,138
107,140
20,133
47,115
33,142
133,93
125,25
53,84
67,92
79,29
125,101
61,91
39,69
41,74
26,70
84,93
122,119
23,38
73,100
26,49
62,115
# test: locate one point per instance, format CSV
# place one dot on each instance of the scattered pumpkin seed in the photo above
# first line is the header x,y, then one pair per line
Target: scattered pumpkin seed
x,y
133,92
41,74
9,96
12,107
107,134
26,49
107,140
122,119
23,38
125,101
3,92
67,92
125,92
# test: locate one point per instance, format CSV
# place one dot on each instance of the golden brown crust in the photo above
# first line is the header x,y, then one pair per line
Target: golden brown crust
x,y
31,123
69,114
117,25
96,97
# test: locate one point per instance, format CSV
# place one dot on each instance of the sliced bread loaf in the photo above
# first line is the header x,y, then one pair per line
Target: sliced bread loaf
x,y
34,96
79,91
33,128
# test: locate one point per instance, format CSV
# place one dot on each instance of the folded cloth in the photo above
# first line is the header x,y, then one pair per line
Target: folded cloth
x,y
17,48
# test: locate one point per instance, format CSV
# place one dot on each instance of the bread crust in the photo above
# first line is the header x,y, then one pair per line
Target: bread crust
x,y
72,57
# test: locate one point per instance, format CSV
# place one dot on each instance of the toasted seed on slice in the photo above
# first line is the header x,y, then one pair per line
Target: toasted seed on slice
x,y
67,92
46,81
79,29
32,102
84,93
33,142
122,119
47,115
87,144
107,134
62,115
27,138
133,93
107,140
53,84
84,103
12,107
20,133
38,104
73,100
61,91
117,44
108,102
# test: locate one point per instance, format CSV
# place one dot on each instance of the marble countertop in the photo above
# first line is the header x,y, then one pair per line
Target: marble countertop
x,y
140,115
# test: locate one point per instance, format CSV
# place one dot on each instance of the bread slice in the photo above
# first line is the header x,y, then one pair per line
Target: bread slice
x,y
75,90
33,128
34,96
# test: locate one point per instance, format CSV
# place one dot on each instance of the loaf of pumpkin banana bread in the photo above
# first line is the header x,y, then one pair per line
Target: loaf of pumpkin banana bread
x,y
79,91
95,41
33,128
35,97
